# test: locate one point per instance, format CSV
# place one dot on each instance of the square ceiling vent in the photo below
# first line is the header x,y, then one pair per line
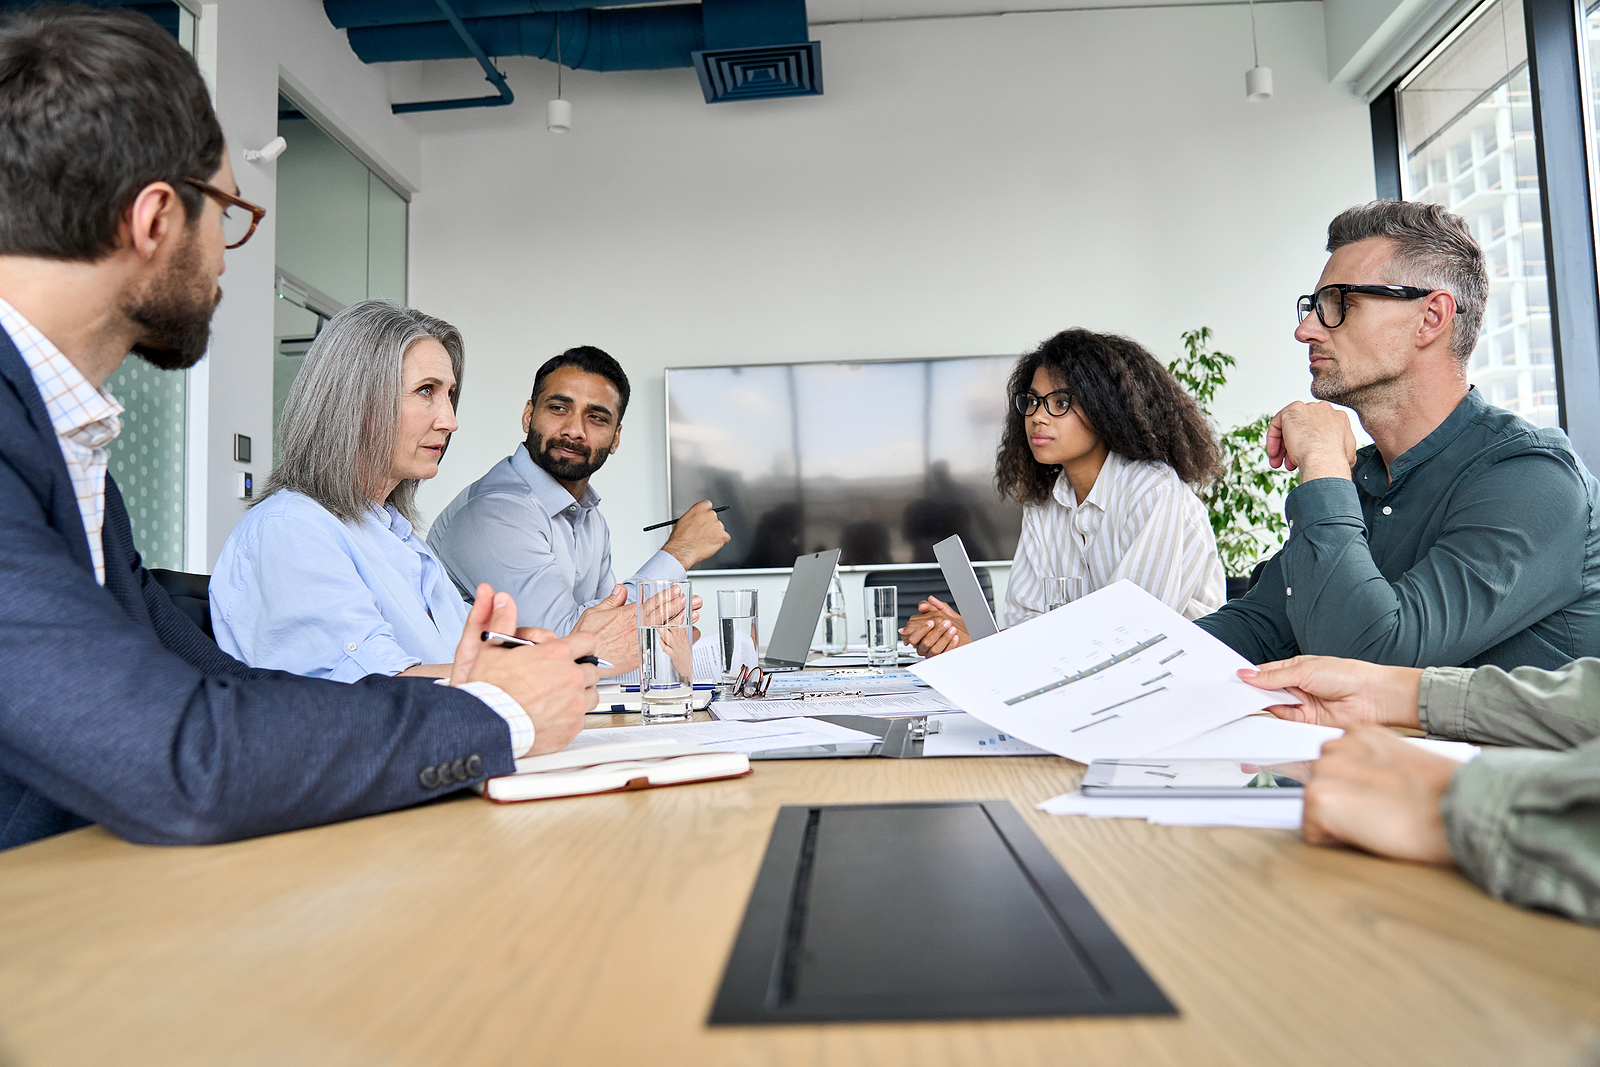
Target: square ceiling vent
x,y
759,72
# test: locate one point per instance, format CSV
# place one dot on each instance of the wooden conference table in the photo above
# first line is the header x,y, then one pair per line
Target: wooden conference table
x,y
594,931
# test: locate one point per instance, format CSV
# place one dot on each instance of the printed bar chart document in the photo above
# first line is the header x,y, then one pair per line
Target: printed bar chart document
x,y
1111,675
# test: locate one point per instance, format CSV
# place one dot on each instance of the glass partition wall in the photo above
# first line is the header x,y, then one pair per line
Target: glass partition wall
x,y
1468,142
341,237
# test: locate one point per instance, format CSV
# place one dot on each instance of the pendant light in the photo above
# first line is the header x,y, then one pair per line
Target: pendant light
x,y
558,112
1258,79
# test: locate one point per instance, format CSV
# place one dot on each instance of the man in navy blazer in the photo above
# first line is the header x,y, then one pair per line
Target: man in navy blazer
x,y
114,707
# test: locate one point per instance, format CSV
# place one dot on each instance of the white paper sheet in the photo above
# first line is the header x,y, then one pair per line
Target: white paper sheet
x,y
1114,674
1235,811
1256,738
733,736
1267,739
887,706
891,680
962,735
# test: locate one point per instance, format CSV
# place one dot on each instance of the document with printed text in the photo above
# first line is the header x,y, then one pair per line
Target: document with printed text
x,y
1114,674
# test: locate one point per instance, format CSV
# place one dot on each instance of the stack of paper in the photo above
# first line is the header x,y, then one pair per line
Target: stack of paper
x,y
1256,739
1231,811
733,736
882,706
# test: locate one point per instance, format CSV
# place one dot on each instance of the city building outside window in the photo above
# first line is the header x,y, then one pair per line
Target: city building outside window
x,y
1468,142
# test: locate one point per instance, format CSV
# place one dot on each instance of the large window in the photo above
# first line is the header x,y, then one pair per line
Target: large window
x,y
1468,140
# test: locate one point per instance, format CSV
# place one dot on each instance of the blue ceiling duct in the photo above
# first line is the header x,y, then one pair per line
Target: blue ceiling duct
x,y
756,49
347,13
741,49
630,38
493,76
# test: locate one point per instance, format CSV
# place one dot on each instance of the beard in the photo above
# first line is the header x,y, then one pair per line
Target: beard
x,y
565,470
1333,385
175,311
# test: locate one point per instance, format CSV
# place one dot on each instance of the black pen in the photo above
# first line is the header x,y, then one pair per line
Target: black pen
x,y
674,522
507,641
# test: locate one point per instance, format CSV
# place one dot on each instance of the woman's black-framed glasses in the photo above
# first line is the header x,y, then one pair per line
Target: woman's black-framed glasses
x,y
232,224
1329,303
1057,403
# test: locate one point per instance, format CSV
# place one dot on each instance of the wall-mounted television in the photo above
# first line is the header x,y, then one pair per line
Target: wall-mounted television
x,y
879,459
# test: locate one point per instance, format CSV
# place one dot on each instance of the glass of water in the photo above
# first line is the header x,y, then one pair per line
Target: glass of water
x,y
666,651
1061,589
883,625
736,621
835,621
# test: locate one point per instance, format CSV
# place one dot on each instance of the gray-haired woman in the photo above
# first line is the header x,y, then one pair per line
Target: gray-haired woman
x,y
323,575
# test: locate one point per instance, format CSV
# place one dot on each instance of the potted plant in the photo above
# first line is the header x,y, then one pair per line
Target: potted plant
x,y
1245,503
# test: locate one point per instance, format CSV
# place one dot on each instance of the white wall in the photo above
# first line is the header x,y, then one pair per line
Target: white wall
x,y
257,42
965,186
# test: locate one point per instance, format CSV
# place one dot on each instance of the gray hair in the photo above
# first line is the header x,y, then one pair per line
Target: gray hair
x,y
340,419
1433,250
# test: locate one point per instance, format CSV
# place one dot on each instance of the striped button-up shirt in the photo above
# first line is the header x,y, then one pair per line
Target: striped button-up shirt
x,y
85,419
1140,522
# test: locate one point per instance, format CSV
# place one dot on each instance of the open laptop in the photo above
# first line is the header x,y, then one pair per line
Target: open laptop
x,y
963,583
802,607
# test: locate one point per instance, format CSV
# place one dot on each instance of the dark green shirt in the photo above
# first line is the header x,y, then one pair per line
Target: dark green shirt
x,y
1480,546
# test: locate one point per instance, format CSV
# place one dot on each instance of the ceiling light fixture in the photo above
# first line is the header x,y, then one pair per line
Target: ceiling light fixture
x,y
558,112
1258,79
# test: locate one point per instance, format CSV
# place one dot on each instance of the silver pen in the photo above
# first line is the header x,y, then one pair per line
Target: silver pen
x,y
507,641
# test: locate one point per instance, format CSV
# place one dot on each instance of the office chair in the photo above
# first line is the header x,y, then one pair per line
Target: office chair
x,y
912,587
1238,587
190,594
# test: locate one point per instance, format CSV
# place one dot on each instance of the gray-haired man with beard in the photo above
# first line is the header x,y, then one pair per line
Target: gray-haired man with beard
x,y
534,523
1463,536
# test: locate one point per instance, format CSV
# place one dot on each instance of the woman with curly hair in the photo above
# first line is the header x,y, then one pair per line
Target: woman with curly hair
x,y
1103,449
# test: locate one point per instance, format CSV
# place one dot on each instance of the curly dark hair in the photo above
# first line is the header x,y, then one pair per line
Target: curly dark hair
x,y
1129,399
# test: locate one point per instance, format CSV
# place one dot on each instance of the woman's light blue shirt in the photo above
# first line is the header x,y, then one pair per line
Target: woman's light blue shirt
x,y
296,589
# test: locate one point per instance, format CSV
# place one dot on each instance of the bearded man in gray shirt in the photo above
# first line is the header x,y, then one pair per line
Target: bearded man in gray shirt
x,y
534,521
1463,535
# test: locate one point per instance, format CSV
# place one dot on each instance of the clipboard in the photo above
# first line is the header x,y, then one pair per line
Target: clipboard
x,y
898,739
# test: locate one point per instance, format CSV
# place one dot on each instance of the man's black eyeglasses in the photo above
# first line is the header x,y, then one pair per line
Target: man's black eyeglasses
x,y
1057,403
1329,303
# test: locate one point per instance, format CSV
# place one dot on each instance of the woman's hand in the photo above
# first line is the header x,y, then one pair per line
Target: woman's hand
x,y
1341,692
935,628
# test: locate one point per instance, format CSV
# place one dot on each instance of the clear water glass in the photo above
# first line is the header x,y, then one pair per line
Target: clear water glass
x,y
835,620
666,651
883,625
1061,589
736,619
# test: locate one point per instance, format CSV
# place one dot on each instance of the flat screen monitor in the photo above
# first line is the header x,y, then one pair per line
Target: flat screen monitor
x,y
878,459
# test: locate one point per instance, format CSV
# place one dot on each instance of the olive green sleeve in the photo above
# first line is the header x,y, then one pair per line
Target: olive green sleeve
x,y
1525,708
1525,825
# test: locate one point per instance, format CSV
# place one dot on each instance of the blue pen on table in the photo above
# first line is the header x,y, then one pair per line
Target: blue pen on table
x,y
507,641
697,685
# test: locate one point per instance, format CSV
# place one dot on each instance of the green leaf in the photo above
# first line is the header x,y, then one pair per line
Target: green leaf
x,y
1245,503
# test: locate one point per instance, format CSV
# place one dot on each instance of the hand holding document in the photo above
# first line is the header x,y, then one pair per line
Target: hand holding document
x,y
1114,675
